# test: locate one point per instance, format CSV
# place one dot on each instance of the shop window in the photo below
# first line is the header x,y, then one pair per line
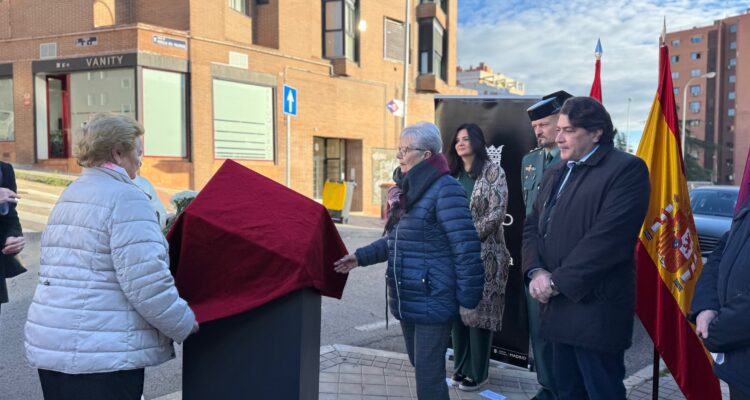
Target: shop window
x,y
164,114
243,121
394,40
432,48
104,13
99,91
6,110
675,59
240,6
340,20
695,72
695,90
695,106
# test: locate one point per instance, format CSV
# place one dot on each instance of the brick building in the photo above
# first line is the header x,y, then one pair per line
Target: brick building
x,y
718,109
205,78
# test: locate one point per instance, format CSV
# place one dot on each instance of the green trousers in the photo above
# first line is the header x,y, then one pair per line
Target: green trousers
x,y
542,352
471,351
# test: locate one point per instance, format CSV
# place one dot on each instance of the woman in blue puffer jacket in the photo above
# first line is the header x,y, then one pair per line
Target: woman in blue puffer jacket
x,y
434,268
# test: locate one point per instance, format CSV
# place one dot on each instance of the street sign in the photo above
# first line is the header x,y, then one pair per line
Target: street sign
x,y
290,100
396,107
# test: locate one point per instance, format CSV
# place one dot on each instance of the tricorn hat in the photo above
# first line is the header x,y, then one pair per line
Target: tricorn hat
x,y
549,105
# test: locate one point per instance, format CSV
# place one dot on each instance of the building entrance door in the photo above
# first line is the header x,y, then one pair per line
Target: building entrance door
x,y
58,116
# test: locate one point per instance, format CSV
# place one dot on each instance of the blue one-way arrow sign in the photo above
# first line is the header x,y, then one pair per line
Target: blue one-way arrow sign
x,y
290,100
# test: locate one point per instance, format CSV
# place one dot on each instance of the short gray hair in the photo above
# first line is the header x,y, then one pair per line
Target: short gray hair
x,y
425,135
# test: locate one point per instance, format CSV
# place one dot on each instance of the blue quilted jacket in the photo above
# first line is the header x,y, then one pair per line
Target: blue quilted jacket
x,y
433,256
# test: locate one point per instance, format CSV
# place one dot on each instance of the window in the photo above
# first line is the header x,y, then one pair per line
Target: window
x,y
695,39
104,13
164,115
732,62
732,95
341,37
695,72
695,106
261,2
695,55
239,6
693,122
676,43
243,121
732,45
6,109
676,91
675,59
731,112
675,75
394,40
733,28
695,90
432,46
732,78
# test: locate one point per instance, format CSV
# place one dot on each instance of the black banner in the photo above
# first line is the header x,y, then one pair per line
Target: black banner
x,y
85,63
505,123
6,69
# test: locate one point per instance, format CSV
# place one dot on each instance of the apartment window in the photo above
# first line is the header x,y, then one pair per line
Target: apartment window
x,y
443,4
695,72
732,45
675,59
732,62
695,39
695,90
730,112
6,109
695,55
432,48
732,78
676,43
676,91
239,6
695,106
733,28
261,2
164,114
693,122
340,21
243,121
675,75
104,13
732,95
394,40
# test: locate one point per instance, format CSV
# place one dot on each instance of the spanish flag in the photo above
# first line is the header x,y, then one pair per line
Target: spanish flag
x,y
668,258
596,86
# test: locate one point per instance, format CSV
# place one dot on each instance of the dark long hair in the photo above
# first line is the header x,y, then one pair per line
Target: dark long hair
x,y
478,147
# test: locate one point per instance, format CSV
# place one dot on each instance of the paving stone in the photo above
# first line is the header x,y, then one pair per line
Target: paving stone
x,y
365,362
371,397
326,377
350,369
373,370
396,381
350,388
379,364
379,390
328,387
350,378
373,379
399,391
350,397
328,396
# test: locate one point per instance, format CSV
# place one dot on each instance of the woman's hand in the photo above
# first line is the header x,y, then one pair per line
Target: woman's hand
x,y
346,264
469,317
8,196
13,245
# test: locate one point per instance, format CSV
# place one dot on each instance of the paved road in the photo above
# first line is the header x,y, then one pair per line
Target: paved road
x,y
357,319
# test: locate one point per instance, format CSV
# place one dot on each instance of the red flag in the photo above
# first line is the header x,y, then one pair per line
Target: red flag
x,y
744,186
596,87
668,257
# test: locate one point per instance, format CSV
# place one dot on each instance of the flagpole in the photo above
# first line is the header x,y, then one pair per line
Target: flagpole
x,y
655,378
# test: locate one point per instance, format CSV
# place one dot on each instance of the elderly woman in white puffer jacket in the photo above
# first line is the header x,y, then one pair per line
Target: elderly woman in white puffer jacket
x,y
106,305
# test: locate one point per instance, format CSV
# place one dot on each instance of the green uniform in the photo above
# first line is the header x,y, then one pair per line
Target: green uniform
x,y
533,166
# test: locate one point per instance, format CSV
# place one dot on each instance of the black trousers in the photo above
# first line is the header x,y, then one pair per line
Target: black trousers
x,y
587,374
118,385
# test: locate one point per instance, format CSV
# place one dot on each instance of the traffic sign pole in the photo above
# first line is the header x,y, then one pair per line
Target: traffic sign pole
x,y
288,151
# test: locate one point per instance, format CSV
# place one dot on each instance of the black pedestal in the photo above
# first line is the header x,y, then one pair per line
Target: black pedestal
x,y
272,352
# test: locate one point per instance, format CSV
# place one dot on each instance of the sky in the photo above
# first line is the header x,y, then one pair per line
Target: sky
x,y
549,45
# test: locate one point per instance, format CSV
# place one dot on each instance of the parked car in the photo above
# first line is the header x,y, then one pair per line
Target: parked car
x,y
713,208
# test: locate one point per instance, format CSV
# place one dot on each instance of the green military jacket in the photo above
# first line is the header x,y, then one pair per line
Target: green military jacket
x,y
532,170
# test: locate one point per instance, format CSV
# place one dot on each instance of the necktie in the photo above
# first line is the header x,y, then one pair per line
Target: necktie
x,y
547,159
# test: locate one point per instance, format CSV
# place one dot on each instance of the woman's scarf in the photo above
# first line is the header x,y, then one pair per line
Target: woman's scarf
x,y
411,186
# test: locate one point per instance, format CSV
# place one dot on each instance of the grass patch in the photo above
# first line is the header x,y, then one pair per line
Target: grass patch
x,y
47,180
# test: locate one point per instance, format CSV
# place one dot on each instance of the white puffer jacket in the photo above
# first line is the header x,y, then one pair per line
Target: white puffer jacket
x,y
105,300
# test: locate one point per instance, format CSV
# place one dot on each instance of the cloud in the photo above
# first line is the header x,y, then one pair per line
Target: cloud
x,y
549,45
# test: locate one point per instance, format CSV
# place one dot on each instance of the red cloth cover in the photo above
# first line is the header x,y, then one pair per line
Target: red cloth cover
x,y
247,240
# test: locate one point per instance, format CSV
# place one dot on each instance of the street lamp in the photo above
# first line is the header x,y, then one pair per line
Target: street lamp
x,y
707,75
627,127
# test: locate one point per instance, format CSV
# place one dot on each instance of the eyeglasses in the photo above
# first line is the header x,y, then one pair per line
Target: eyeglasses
x,y
403,150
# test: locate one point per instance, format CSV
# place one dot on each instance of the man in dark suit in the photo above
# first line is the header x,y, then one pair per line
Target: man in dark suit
x,y
543,116
11,236
578,252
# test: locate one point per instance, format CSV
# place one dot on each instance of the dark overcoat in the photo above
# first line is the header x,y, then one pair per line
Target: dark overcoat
x,y
724,286
586,237
9,226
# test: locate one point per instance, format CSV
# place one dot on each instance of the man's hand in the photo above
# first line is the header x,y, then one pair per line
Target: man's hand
x,y
8,196
702,321
469,317
540,287
13,245
346,264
